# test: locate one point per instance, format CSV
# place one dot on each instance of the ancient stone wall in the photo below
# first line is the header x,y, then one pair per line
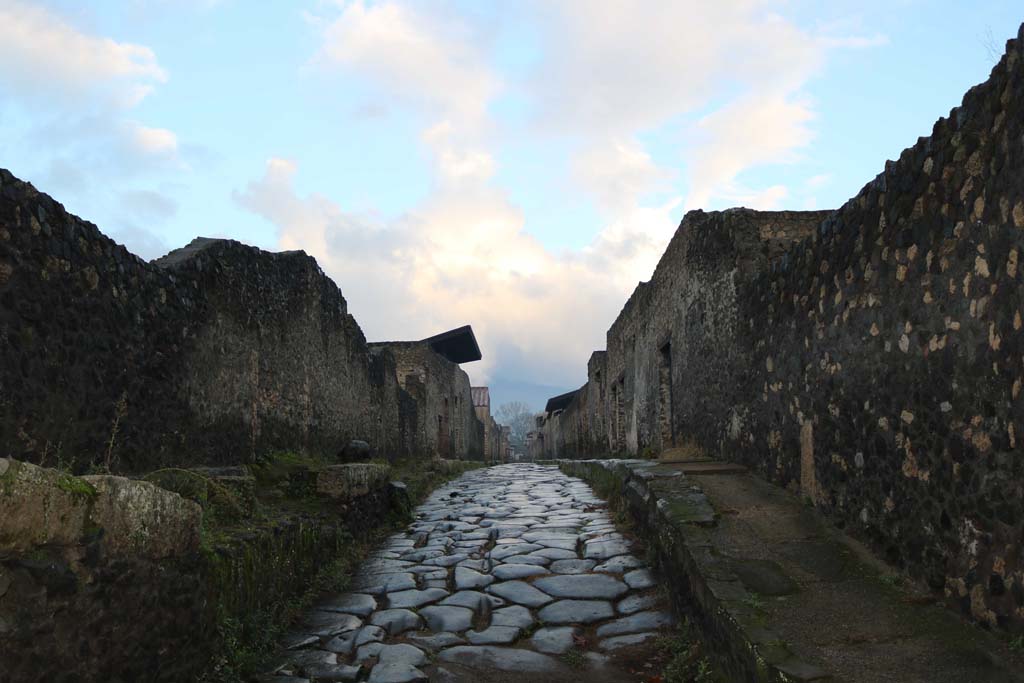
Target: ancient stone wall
x,y
98,577
874,366
673,355
447,424
216,354
491,429
278,347
106,578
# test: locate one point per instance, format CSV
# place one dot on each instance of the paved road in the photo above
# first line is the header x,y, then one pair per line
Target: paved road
x,y
511,573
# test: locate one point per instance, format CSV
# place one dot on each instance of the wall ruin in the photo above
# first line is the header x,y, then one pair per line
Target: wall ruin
x,y
217,353
874,364
446,425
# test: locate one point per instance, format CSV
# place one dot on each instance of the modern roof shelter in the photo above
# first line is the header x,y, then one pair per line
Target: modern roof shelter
x,y
559,402
458,345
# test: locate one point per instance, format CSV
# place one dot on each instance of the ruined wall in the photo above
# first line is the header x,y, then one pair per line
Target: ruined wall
x,y
491,429
278,347
888,358
216,354
447,424
100,579
875,367
673,355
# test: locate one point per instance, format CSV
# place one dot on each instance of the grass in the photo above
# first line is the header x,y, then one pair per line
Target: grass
x,y
685,659
689,450
754,601
247,643
247,636
574,658
892,580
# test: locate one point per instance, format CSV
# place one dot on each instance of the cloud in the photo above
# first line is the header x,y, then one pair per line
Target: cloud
x,y
819,180
145,243
464,257
720,84
413,55
69,99
149,204
157,141
617,70
617,173
615,67
760,128
43,55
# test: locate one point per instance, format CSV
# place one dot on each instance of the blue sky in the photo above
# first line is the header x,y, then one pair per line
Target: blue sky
x,y
517,166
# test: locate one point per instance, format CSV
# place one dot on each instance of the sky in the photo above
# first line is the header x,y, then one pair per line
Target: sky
x,y
514,165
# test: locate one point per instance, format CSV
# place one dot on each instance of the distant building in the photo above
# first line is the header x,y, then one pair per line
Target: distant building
x,y
506,443
493,451
429,371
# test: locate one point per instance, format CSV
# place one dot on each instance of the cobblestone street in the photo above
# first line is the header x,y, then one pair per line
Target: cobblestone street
x,y
510,573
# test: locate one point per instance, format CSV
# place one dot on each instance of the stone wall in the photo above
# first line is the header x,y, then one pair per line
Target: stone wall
x,y
216,353
645,392
495,437
100,577
446,424
105,578
874,366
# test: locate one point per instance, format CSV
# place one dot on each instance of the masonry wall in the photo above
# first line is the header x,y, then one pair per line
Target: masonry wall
x,y
674,354
492,434
217,353
447,424
875,365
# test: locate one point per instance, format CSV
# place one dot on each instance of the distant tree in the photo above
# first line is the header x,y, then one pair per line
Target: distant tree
x,y
518,416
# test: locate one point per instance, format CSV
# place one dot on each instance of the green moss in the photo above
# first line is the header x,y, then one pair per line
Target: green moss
x,y
79,488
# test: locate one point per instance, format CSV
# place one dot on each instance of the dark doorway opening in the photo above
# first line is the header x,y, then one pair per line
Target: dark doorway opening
x,y
667,424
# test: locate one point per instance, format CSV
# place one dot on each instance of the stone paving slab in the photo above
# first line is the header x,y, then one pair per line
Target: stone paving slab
x,y
503,571
779,593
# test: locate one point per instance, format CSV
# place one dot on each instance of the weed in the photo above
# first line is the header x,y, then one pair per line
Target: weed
x,y
687,661
248,634
893,580
754,601
120,410
704,670
574,658
689,450
1018,643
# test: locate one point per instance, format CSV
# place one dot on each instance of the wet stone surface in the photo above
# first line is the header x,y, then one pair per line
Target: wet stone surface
x,y
504,571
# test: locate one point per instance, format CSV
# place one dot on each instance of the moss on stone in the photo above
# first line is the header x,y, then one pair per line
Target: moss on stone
x,y
76,487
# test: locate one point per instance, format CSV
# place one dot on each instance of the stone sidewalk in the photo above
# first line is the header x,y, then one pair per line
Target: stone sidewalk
x,y
780,594
511,573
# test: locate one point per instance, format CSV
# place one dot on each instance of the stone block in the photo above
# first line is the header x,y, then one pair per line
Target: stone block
x,y
40,506
239,483
142,519
344,482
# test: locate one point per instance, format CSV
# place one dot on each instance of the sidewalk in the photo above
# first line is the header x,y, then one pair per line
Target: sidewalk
x,y
785,596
